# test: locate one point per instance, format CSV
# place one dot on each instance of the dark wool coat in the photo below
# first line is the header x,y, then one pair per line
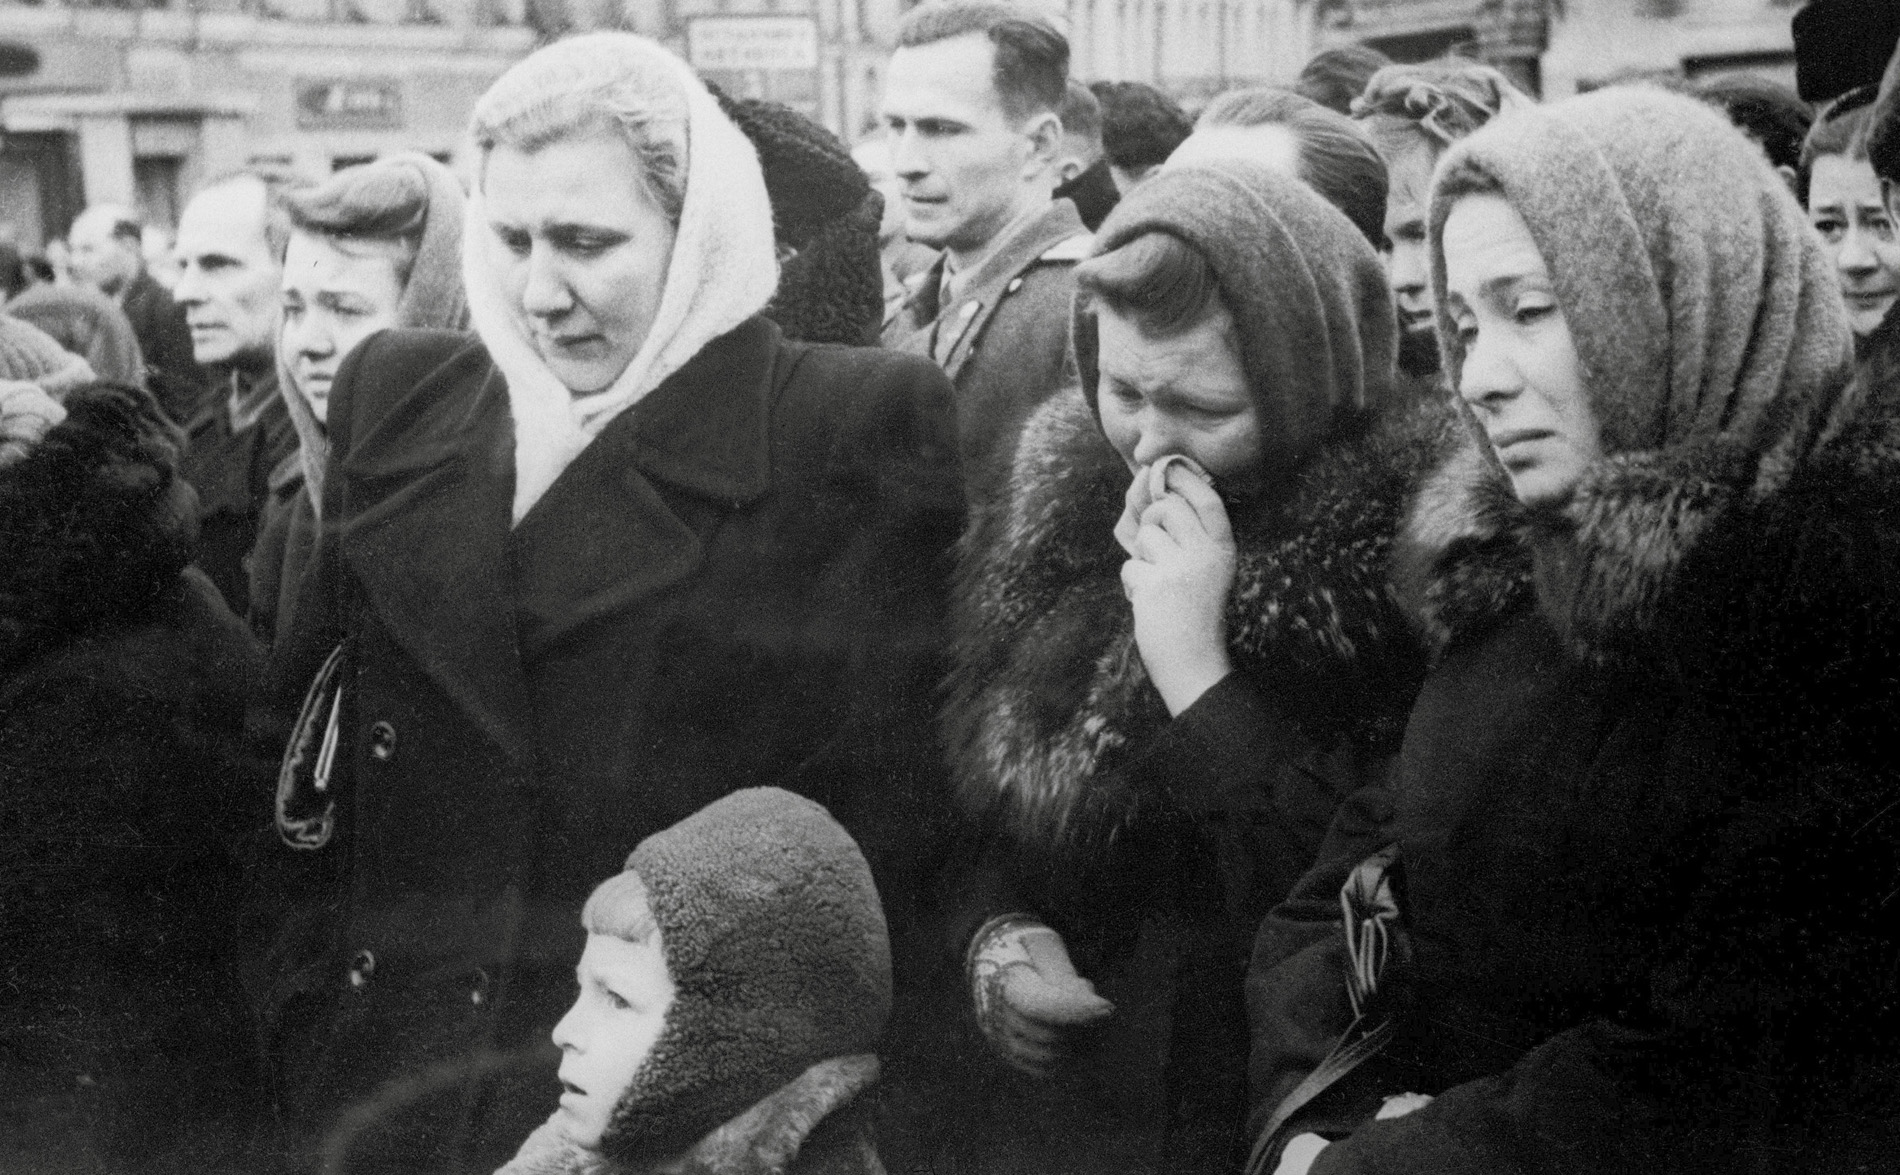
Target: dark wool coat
x,y
123,679
286,536
1139,838
739,582
229,460
1647,852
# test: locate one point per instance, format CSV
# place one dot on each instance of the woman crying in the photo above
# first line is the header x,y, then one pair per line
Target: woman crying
x,y
1176,655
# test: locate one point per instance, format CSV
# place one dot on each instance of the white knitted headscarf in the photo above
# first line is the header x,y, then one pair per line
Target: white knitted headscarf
x,y
723,270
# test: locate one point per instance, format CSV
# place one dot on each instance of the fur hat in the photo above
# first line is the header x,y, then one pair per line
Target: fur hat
x,y
823,208
94,520
775,939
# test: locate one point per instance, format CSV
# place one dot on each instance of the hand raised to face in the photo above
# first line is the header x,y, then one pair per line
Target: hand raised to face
x,y
1180,571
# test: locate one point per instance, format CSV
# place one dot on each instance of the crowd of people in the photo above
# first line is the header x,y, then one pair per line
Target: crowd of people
x,y
1350,633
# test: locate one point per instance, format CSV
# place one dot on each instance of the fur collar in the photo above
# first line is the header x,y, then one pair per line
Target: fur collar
x,y
767,1139
1049,697
94,522
1605,572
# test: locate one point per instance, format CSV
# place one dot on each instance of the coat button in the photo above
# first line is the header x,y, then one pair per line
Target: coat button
x,y
361,968
382,741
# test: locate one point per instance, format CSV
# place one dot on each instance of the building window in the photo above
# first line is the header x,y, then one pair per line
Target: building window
x,y
155,179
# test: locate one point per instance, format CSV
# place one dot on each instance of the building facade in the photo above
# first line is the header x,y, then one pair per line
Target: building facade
x,y
138,101
1195,48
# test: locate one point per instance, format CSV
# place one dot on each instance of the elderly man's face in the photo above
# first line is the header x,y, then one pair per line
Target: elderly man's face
x,y
229,280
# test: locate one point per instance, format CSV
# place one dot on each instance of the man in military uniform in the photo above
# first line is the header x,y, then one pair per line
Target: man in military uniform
x,y
971,101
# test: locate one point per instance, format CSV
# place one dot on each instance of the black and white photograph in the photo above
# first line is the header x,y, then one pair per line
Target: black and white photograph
x,y
949,587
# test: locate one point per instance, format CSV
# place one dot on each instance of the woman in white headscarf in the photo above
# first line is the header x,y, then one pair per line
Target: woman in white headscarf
x,y
622,552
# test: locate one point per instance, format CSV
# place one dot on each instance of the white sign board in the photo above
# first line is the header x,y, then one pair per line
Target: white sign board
x,y
752,42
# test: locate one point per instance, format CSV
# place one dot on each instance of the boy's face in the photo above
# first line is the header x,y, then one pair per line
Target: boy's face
x,y
606,1035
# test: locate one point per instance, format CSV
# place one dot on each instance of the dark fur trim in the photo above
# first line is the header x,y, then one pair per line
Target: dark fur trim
x,y
93,522
1049,695
1607,571
1463,560
769,1138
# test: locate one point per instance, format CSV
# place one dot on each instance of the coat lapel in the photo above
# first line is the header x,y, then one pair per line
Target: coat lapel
x,y
630,517
430,489
429,494
961,322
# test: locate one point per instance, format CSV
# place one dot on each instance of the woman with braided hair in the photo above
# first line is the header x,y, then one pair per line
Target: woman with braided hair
x,y
1413,113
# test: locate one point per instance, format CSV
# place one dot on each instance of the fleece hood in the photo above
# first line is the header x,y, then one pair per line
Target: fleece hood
x,y
775,939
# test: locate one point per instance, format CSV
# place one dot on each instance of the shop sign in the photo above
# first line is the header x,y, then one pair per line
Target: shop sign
x,y
752,42
349,103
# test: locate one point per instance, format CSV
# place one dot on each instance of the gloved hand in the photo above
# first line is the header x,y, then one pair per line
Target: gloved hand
x,y
1029,1000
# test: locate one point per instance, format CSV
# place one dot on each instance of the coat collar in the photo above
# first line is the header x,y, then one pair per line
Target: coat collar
x,y
427,501
767,1138
950,331
1605,571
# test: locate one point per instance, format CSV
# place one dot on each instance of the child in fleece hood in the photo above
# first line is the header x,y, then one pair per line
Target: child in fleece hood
x,y
735,982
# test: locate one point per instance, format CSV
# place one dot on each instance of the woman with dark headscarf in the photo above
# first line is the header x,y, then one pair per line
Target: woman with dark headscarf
x,y
1630,912
372,248
620,552
1176,653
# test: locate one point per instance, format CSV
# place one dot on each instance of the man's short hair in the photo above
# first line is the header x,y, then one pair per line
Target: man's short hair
x,y
1336,157
1031,72
1081,113
1141,126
